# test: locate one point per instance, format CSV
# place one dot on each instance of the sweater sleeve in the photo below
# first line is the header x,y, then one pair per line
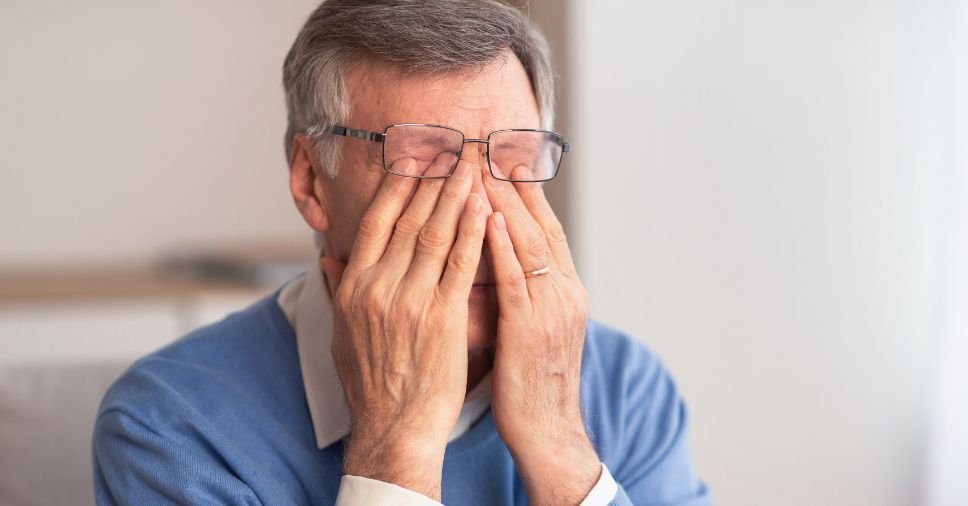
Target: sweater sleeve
x,y
135,465
638,421
657,469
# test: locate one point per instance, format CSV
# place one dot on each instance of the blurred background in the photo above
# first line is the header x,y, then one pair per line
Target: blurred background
x,y
773,196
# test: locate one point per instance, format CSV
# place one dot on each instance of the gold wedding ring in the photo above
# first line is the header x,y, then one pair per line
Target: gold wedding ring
x,y
540,272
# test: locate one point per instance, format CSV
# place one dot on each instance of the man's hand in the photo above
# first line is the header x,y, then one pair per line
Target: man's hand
x,y
541,329
400,318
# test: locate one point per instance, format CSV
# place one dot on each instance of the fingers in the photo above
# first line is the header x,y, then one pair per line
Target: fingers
x,y
466,253
436,238
478,188
512,289
526,234
533,196
400,251
332,270
377,224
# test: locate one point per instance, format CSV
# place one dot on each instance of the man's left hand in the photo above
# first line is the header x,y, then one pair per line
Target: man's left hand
x,y
540,336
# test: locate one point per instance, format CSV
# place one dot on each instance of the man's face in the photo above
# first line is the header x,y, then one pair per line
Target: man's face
x,y
475,102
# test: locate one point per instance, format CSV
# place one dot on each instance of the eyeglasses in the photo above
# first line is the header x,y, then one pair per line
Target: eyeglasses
x,y
432,151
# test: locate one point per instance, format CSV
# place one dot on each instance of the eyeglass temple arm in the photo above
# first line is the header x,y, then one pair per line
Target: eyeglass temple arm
x,y
357,134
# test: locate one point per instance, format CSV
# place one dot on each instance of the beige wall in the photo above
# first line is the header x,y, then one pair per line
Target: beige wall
x,y
128,127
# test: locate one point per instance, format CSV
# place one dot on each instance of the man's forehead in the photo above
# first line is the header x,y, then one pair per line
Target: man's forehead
x,y
498,95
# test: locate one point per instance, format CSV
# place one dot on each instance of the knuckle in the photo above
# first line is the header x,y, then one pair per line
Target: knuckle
x,y
432,185
460,261
397,186
537,246
516,282
579,305
343,299
370,225
432,237
556,233
407,226
450,194
408,307
372,297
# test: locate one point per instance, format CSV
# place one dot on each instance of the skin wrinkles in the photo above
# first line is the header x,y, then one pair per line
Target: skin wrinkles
x,y
383,96
411,336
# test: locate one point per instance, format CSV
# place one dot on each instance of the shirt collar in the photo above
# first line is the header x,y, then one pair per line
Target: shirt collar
x,y
307,305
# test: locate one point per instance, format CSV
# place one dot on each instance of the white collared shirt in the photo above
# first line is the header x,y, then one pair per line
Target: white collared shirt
x,y
306,303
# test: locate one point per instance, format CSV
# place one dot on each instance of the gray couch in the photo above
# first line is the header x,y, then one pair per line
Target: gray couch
x,y
46,418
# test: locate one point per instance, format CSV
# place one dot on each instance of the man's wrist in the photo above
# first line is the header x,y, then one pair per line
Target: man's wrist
x,y
414,466
559,472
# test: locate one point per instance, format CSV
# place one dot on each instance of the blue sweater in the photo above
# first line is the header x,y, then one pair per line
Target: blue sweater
x,y
220,417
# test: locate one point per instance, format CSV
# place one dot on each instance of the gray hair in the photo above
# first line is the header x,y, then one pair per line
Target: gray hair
x,y
418,36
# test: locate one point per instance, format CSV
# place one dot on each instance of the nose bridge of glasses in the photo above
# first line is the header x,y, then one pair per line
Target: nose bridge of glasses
x,y
481,158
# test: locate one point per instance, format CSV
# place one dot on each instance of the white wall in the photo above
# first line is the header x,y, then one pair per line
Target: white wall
x,y
758,193
127,127
948,449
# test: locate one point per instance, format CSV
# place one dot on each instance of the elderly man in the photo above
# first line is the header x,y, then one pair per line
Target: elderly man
x,y
440,349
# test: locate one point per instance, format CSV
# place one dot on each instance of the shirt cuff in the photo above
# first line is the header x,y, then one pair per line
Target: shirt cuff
x,y
360,491
357,490
603,492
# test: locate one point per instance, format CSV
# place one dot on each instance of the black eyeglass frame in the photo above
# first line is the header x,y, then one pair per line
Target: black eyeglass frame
x,y
381,137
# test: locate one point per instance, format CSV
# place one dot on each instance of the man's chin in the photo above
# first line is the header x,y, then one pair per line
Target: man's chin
x,y
481,318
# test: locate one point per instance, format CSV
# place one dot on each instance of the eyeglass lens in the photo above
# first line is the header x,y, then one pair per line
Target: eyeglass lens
x,y
430,151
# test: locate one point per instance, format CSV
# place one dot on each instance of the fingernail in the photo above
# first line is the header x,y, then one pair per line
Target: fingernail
x,y
499,221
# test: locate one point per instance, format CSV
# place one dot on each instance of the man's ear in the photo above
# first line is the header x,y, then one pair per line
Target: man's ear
x,y
304,169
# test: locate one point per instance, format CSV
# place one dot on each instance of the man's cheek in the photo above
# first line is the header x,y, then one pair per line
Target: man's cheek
x,y
345,223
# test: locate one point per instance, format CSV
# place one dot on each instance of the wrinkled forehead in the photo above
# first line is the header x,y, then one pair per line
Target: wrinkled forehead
x,y
475,101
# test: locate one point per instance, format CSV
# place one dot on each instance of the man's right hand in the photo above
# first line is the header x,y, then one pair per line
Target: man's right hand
x,y
400,325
